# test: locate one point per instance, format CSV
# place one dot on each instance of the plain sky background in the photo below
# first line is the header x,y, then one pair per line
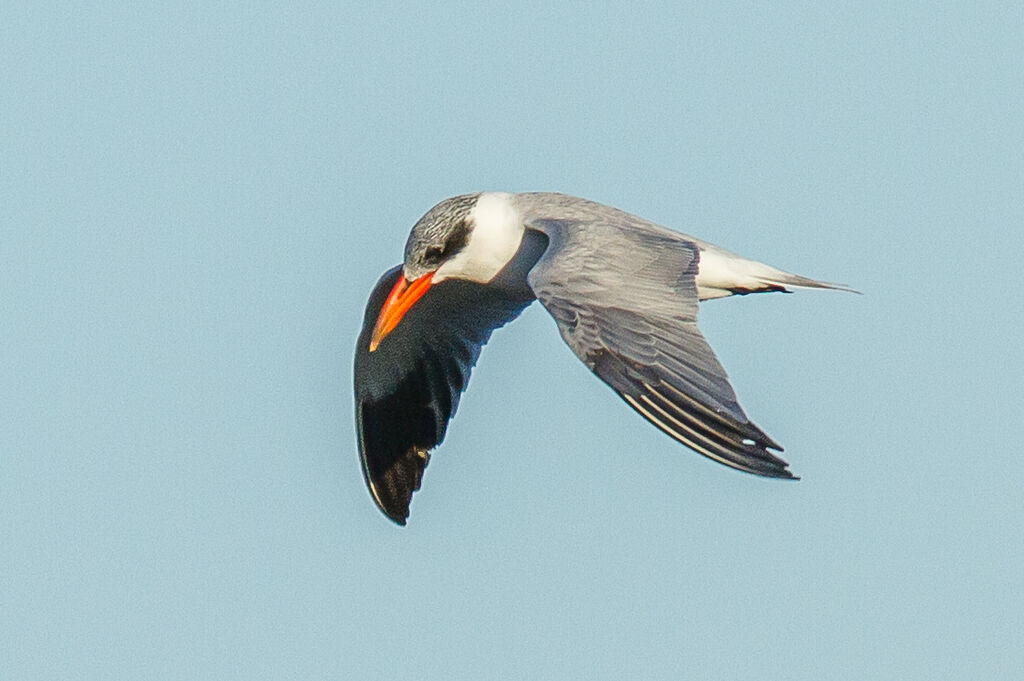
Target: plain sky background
x,y
195,202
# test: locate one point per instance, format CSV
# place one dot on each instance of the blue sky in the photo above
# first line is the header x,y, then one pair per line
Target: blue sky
x,y
196,201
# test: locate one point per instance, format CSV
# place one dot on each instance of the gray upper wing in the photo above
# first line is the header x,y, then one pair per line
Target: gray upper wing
x,y
623,294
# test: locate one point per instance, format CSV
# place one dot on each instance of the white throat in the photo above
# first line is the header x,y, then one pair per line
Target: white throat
x,y
497,231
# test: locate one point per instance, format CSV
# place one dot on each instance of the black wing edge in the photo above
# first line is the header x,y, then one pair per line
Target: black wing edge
x,y
714,434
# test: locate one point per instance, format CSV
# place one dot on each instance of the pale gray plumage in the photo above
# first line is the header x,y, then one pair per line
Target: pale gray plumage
x,y
623,291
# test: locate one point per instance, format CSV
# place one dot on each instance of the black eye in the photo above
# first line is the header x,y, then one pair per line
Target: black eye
x,y
434,252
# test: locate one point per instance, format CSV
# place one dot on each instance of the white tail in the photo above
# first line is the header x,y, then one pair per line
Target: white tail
x,y
721,273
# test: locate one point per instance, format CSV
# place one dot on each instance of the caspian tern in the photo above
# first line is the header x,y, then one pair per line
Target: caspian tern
x,y
623,292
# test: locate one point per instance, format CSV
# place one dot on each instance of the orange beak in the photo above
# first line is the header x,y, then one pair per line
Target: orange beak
x,y
401,298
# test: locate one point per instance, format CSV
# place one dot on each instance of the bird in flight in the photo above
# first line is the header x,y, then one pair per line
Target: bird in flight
x,y
623,292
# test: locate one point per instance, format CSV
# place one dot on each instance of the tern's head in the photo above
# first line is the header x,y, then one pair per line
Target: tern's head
x,y
439,235
470,237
